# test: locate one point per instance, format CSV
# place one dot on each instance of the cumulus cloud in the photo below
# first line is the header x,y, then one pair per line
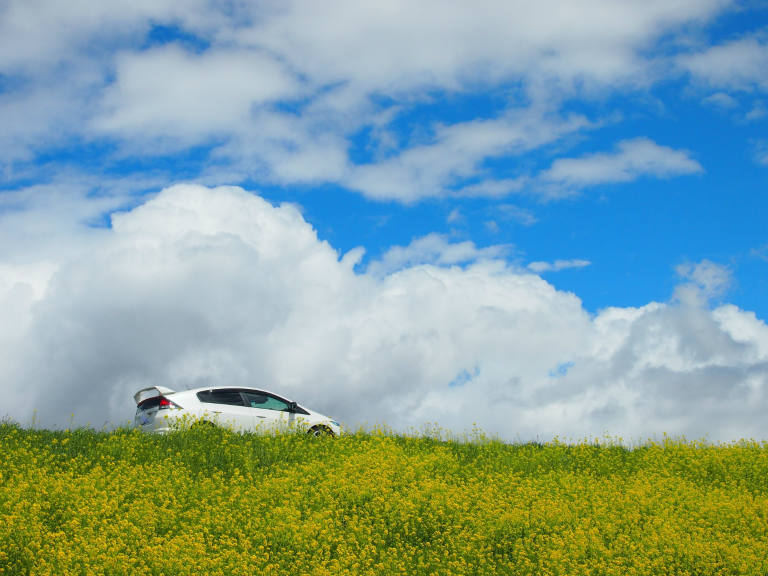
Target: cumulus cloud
x,y
633,159
205,286
49,221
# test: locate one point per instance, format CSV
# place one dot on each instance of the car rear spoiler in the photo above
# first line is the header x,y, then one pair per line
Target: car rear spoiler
x,y
161,390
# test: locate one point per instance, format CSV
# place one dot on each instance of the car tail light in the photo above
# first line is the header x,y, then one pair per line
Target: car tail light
x,y
165,404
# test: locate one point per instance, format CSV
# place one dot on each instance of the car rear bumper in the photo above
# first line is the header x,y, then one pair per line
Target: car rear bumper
x,y
157,423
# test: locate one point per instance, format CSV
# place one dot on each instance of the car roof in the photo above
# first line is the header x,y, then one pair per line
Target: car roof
x,y
227,388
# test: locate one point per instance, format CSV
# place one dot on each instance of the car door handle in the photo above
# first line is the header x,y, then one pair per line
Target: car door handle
x,y
260,416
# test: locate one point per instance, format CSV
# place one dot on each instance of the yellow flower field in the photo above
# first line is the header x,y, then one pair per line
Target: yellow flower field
x,y
213,502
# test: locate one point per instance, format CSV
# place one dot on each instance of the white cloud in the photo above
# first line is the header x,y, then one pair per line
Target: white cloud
x,y
55,60
403,46
433,249
492,226
745,328
43,114
722,100
21,288
761,152
397,46
702,282
212,286
737,65
494,188
632,160
456,154
280,91
167,92
41,34
761,252
455,216
758,112
512,213
495,217
557,265
52,220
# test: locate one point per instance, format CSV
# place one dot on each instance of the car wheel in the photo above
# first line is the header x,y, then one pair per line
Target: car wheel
x,y
203,425
320,431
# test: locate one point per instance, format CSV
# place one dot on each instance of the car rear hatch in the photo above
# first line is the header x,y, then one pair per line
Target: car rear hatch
x,y
149,401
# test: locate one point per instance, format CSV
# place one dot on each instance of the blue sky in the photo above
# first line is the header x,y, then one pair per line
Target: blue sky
x,y
615,152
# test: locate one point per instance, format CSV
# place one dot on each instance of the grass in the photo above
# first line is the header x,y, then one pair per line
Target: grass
x,y
212,502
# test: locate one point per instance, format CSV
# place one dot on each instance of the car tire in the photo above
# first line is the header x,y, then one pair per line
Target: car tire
x,y
203,425
320,432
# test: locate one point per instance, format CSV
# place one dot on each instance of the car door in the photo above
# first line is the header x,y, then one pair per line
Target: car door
x,y
269,412
227,408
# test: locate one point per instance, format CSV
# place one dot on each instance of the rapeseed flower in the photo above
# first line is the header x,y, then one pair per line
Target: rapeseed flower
x,y
213,502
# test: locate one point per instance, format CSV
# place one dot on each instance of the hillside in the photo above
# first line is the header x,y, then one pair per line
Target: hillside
x,y
212,502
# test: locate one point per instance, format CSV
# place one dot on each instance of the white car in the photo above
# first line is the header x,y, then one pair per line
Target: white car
x,y
160,409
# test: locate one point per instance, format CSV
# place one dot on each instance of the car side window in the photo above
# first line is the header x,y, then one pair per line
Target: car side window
x,y
228,396
264,401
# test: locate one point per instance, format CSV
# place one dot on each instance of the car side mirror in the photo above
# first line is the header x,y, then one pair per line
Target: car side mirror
x,y
292,406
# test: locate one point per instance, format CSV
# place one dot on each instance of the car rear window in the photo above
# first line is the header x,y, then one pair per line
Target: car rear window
x,y
231,397
149,403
